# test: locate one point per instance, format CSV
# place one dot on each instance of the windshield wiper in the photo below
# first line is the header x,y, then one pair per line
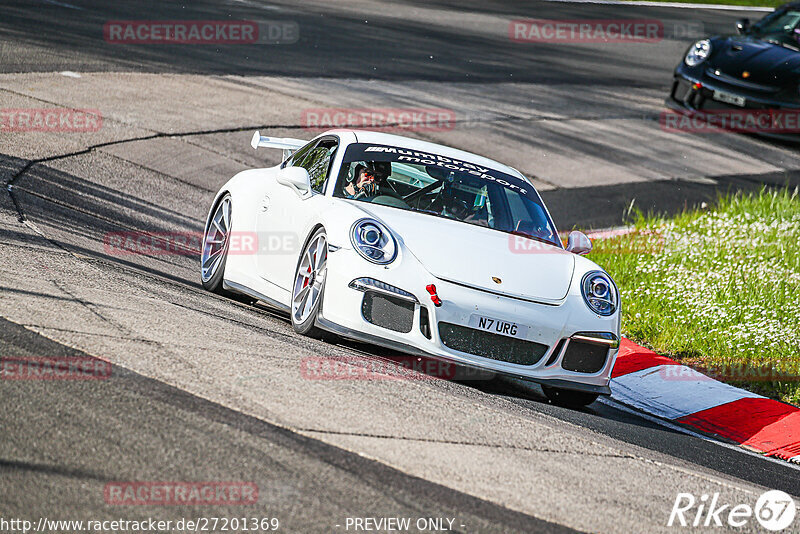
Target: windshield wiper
x,y
781,43
431,212
440,214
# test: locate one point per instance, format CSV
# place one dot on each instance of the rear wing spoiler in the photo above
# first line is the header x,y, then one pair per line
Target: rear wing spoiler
x,y
287,144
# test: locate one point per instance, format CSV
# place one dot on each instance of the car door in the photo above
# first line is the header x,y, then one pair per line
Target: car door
x,y
287,218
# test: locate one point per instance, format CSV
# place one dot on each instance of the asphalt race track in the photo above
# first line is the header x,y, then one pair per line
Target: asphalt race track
x,y
208,389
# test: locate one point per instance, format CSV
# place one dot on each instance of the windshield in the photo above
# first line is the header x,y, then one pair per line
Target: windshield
x,y
778,24
443,187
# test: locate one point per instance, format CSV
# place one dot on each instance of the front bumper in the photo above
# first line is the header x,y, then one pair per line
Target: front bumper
x,y
693,90
550,326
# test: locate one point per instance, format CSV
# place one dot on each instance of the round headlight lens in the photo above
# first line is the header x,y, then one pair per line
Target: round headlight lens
x,y
373,241
698,53
370,234
600,293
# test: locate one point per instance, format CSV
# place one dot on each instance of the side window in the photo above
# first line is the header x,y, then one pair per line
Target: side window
x,y
317,162
316,159
299,155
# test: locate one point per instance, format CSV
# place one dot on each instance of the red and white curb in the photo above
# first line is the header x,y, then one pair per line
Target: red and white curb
x,y
684,5
662,387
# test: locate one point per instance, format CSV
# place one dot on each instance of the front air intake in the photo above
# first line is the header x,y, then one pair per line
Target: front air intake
x,y
387,311
424,322
582,357
488,345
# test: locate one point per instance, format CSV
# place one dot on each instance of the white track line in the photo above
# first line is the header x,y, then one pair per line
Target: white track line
x,y
672,426
720,7
62,4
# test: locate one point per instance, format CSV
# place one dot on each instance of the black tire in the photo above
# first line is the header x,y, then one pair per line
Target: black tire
x,y
569,398
307,326
214,282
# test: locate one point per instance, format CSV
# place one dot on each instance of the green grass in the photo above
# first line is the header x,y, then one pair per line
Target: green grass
x,y
758,3
717,288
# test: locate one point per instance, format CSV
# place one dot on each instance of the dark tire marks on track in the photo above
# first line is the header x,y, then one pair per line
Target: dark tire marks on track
x,y
90,433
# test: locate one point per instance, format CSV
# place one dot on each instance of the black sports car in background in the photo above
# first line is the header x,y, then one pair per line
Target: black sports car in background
x,y
753,72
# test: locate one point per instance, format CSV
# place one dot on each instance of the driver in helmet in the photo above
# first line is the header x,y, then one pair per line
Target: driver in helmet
x,y
369,179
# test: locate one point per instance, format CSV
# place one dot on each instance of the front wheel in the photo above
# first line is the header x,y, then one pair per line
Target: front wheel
x,y
309,285
569,398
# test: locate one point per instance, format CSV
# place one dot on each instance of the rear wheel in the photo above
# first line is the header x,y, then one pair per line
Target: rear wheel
x,y
214,256
309,285
216,240
569,398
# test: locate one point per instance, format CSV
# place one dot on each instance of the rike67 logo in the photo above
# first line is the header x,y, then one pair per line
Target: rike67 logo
x,y
774,510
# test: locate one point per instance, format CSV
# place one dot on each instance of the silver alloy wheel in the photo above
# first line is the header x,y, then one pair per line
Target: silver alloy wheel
x,y
215,243
310,279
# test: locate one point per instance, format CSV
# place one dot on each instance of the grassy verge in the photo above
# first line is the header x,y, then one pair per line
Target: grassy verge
x,y
717,289
757,3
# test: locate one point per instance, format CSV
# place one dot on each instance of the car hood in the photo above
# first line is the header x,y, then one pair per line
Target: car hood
x,y
473,256
768,64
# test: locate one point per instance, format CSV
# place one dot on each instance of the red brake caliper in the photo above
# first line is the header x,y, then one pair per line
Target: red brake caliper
x,y
305,282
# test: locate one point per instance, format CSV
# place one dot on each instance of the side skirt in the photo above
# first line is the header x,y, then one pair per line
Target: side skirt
x,y
239,288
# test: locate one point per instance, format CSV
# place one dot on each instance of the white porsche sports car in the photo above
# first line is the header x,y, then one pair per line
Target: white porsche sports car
x,y
421,248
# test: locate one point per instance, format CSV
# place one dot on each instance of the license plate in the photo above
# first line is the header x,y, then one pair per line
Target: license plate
x,y
498,326
728,98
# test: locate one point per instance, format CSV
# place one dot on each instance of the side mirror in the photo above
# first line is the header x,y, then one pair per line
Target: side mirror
x,y
296,178
578,243
742,25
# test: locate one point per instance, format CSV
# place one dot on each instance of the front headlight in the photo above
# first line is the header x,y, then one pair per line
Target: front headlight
x,y
698,53
373,241
600,293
